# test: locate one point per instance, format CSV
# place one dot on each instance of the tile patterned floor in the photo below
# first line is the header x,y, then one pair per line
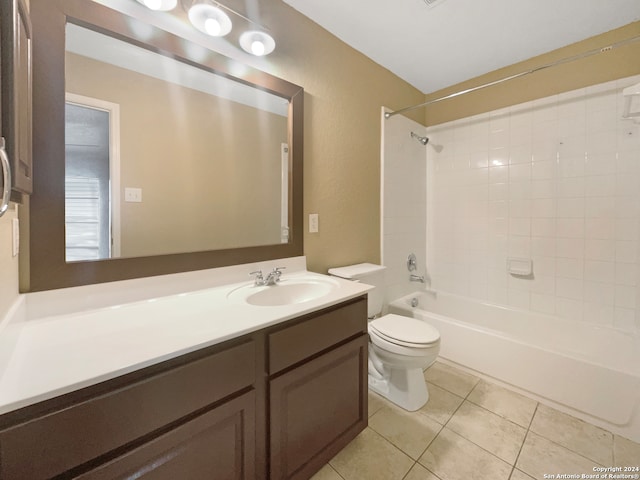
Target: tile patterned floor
x,y
474,430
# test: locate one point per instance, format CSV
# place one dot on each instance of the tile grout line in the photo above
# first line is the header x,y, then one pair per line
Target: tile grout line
x,y
448,420
525,439
466,398
528,428
336,472
596,462
434,438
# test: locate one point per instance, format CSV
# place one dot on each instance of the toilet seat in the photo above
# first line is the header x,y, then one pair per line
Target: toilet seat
x,y
404,331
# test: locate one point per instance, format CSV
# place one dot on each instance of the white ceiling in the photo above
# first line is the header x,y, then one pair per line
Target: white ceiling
x,y
436,46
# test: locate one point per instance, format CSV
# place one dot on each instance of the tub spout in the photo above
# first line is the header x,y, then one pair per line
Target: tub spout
x,y
416,278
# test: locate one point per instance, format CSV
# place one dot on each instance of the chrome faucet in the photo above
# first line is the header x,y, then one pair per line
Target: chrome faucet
x,y
416,278
272,278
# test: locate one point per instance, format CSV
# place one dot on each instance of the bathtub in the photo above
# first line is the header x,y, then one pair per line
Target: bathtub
x,y
589,371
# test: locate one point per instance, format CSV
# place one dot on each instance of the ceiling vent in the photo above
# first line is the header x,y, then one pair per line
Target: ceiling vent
x,y
433,3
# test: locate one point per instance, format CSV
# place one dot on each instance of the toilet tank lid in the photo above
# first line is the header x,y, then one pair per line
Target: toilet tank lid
x,y
355,272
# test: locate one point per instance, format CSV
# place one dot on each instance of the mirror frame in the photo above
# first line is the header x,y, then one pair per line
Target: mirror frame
x,y
46,267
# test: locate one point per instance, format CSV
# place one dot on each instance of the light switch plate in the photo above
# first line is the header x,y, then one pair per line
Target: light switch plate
x,y
313,223
133,195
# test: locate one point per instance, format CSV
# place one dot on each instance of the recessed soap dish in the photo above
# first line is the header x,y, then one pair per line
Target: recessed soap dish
x,y
519,266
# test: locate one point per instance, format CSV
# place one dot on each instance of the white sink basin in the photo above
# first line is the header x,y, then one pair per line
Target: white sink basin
x,y
286,292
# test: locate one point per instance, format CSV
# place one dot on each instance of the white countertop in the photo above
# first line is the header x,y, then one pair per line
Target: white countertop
x,y
51,355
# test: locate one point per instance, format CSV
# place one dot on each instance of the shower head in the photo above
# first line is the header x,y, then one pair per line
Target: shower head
x,y
422,140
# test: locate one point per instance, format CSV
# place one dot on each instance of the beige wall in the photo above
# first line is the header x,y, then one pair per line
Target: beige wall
x,y
209,168
344,92
618,63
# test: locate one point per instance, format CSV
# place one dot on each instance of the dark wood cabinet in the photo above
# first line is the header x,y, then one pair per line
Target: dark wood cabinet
x,y
316,409
317,388
277,403
217,445
16,74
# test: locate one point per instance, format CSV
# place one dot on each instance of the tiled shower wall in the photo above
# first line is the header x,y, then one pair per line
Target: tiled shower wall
x,y
556,180
403,203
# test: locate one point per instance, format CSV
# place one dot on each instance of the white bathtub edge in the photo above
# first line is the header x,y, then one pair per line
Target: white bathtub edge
x,y
535,372
630,431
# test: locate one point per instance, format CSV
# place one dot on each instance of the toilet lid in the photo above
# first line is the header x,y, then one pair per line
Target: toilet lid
x,y
404,330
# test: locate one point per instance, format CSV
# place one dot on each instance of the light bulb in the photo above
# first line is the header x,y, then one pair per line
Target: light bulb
x,y
257,48
159,5
257,43
212,27
209,19
153,4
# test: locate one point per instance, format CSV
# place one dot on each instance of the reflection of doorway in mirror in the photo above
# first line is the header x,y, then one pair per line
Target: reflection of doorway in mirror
x,y
284,202
92,179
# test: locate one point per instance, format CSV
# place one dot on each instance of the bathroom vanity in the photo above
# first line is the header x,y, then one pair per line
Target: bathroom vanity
x,y
168,364
276,402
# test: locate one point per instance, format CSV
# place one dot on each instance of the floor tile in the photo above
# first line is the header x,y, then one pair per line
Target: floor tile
x,y
376,402
452,457
625,452
409,431
510,405
488,430
441,405
518,475
326,473
450,378
418,472
540,456
587,440
370,457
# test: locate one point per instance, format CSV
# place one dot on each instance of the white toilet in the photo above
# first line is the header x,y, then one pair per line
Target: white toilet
x,y
400,348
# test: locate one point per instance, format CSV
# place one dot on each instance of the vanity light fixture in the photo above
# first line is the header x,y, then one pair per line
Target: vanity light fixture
x,y
212,18
257,43
160,5
209,19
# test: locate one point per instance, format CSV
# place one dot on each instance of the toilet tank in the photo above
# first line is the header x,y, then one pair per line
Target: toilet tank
x,y
370,274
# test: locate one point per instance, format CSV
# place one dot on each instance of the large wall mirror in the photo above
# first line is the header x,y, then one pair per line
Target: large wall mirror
x,y
150,157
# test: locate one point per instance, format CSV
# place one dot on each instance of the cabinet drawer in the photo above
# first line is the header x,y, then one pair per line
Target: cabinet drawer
x,y
218,445
316,333
98,425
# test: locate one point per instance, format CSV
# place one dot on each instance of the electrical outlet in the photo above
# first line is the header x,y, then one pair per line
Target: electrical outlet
x,y
133,195
313,223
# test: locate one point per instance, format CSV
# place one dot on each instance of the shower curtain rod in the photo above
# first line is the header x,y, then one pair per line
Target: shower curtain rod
x,y
517,75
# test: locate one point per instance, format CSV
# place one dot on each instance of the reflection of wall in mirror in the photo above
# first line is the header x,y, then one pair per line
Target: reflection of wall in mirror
x,y
209,168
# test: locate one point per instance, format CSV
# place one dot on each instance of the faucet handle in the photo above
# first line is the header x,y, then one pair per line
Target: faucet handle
x,y
259,277
277,271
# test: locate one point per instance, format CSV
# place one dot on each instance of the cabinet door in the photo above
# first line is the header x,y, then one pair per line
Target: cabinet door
x,y
316,409
218,445
16,94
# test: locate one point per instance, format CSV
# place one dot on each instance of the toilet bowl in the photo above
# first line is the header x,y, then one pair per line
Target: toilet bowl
x,y
400,348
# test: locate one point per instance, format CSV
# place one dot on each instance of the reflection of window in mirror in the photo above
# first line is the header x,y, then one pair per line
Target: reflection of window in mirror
x,y
91,179
284,190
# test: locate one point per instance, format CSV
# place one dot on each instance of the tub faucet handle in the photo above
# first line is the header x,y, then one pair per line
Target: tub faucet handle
x,y
412,264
